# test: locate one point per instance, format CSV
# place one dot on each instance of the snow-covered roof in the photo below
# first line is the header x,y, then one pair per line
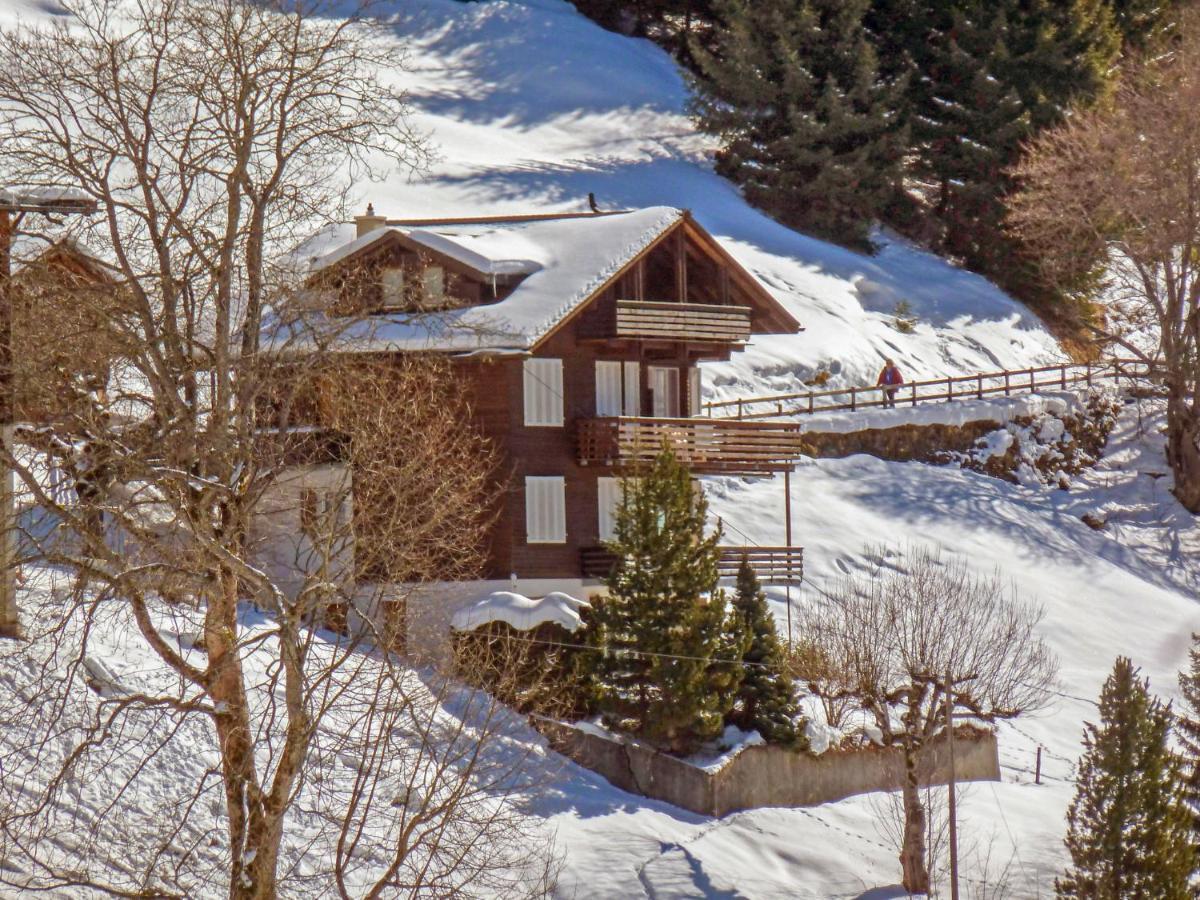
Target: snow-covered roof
x,y
565,260
521,612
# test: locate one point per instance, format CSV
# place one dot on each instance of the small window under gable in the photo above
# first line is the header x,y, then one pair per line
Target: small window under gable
x,y
392,282
543,387
545,509
433,282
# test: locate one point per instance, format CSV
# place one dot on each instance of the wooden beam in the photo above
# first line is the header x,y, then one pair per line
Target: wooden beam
x,y
681,286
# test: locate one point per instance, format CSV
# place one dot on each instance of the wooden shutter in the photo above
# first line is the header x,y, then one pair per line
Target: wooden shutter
x,y
544,392
608,388
545,509
633,389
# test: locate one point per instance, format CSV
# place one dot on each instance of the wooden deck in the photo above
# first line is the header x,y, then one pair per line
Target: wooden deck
x,y
706,446
773,565
939,390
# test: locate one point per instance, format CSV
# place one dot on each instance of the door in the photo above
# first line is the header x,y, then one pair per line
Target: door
x,y
664,391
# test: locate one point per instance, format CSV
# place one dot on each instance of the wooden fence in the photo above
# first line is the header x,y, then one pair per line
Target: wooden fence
x,y
962,387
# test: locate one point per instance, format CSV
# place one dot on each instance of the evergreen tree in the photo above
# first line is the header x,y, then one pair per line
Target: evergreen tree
x,y
1188,730
808,127
983,76
664,621
1142,22
1129,831
766,698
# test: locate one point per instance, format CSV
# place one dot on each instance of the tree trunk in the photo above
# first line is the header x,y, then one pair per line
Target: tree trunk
x,y
912,852
251,842
1183,451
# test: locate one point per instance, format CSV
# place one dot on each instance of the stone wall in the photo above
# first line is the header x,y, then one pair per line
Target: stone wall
x,y
902,443
768,775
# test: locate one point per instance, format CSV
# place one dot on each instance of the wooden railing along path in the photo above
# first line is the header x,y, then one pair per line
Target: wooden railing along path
x,y
962,387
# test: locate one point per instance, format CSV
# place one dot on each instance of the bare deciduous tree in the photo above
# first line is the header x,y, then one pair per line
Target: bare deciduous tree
x,y
916,627
1122,181
210,478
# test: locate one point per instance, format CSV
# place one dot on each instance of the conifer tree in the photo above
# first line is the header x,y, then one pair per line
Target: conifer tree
x,y
1129,831
1142,22
1187,728
766,698
664,621
808,127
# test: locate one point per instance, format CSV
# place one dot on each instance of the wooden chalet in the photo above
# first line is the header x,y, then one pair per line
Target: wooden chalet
x,y
579,339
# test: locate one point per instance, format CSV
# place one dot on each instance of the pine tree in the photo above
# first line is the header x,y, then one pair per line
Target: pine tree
x,y
1129,831
1187,730
1142,22
766,698
664,621
808,127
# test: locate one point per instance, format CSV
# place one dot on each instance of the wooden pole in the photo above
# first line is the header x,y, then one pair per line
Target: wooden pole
x,y
1037,769
10,621
952,800
787,529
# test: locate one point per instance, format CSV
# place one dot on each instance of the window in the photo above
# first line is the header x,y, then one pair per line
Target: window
x,y
608,388
664,390
544,392
392,282
545,509
433,281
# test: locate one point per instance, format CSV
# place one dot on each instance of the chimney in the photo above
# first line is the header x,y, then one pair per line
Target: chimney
x,y
369,222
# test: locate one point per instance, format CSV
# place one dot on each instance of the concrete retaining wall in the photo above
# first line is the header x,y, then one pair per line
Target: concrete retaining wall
x,y
766,775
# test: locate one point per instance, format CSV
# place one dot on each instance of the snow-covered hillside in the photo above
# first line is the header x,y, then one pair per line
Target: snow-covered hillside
x,y
531,107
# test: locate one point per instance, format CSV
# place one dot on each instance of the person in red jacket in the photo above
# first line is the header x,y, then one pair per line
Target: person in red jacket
x,y
889,376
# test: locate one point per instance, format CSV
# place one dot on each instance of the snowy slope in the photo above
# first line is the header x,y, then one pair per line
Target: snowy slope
x,y
531,106
1129,589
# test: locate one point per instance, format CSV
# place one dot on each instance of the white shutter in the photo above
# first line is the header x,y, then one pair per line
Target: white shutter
x,y
608,388
633,389
543,392
545,509
609,496
694,391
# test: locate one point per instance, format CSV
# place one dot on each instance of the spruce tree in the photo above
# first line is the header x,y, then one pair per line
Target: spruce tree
x,y
1187,730
1129,830
667,645
766,698
808,127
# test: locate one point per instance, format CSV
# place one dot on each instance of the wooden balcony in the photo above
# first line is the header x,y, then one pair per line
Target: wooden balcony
x,y
692,322
706,446
773,565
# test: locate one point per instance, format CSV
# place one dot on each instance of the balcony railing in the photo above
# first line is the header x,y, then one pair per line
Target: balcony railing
x,y
648,320
706,446
773,565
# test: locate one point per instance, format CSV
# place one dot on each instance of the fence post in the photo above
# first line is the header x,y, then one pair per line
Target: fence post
x,y
1032,380
779,407
914,393
979,385
810,402
1089,374
1064,377
739,407
949,389
1007,389
853,399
